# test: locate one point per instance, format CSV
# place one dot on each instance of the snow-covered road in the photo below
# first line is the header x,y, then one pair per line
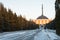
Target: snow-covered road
x,y
37,34
18,35
46,34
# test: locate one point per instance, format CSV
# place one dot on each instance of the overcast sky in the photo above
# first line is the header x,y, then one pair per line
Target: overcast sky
x,y
31,8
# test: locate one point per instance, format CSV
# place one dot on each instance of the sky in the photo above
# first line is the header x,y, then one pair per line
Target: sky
x,y
31,9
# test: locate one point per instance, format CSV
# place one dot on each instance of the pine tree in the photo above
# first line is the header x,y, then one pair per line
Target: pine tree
x,y
57,19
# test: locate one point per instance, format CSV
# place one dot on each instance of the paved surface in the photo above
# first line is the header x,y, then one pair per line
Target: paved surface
x,y
30,35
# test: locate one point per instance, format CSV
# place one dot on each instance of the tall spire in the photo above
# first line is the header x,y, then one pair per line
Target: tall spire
x,y
42,16
42,9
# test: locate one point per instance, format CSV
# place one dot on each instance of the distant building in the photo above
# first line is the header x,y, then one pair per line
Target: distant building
x,y
42,19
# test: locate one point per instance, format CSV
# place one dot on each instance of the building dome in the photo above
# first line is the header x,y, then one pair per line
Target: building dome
x,y
42,17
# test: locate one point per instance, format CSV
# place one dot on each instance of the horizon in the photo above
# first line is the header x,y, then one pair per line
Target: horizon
x,y
31,9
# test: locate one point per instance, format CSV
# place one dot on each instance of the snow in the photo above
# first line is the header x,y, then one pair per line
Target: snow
x,y
38,34
25,35
46,35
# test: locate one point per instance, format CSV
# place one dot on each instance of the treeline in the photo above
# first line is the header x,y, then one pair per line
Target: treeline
x,y
51,25
9,21
57,19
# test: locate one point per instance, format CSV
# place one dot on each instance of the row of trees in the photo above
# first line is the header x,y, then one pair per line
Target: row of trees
x,y
51,25
9,21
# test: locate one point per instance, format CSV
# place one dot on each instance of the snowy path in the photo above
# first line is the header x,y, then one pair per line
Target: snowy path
x,y
26,35
30,35
46,35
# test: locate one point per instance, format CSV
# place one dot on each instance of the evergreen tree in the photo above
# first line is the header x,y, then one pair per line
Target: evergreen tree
x,y
57,19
